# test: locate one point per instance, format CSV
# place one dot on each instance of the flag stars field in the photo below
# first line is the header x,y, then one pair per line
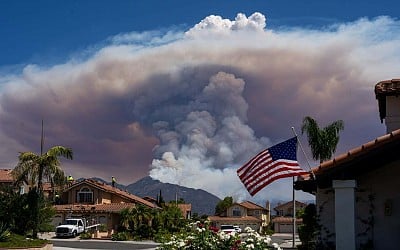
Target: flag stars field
x,y
279,161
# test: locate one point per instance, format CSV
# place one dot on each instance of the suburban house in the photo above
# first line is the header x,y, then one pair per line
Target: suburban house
x,y
186,208
96,201
283,221
5,177
244,214
286,209
357,193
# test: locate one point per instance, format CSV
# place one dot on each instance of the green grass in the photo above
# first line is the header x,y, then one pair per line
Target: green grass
x,y
18,241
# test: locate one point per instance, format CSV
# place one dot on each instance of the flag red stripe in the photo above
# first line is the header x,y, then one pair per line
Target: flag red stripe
x,y
253,192
265,168
278,161
265,175
255,184
253,162
256,166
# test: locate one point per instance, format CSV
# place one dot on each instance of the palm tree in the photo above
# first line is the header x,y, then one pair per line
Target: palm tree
x,y
136,216
126,218
323,142
31,167
141,214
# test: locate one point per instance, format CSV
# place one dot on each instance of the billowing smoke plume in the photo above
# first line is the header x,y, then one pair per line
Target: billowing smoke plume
x,y
191,107
209,138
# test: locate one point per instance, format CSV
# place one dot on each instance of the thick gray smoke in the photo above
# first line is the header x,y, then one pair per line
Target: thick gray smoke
x,y
191,107
208,138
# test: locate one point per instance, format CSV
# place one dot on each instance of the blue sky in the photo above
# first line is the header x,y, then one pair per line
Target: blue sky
x,y
187,92
48,31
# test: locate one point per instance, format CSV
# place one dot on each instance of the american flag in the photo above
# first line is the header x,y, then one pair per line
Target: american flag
x,y
278,161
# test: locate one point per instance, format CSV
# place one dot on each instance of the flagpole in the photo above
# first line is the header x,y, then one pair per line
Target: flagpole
x,y
41,141
294,194
294,216
304,153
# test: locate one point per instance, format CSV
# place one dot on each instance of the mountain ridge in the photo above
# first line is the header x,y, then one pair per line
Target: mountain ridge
x,y
203,202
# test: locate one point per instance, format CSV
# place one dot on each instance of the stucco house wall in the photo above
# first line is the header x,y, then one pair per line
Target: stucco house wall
x,y
325,203
243,211
377,201
392,118
99,203
383,186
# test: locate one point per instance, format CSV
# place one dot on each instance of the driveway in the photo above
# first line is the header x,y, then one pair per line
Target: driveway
x,y
285,239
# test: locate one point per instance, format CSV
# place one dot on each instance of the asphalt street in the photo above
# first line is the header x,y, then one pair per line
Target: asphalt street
x,y
100,244
284,240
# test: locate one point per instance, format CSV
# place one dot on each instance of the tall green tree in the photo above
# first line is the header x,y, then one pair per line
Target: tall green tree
x,y
126,218
136,216
223,205
33,168
323,141
172,217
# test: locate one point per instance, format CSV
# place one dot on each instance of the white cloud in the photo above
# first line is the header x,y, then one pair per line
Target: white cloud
x,y
197,105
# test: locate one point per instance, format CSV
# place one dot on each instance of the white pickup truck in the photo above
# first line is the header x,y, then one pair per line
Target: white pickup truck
x,y
71,227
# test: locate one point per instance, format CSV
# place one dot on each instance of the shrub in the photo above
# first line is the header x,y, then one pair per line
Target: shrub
x,y
121,236
85,236
201,237
308,231
144,232
162,236
103,228
4,232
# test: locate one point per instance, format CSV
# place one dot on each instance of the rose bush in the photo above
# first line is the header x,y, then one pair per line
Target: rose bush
x,y
201,236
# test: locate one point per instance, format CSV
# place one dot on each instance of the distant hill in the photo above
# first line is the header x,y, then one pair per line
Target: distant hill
x,y
202,201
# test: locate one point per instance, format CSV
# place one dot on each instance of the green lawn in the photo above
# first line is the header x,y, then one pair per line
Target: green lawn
x,y
18,241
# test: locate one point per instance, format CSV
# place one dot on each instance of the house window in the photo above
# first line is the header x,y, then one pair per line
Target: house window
x,y
85,195
236,212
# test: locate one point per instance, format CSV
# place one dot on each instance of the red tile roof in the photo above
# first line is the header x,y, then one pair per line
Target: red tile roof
x,y
114,190
388,87
384,89
98,208
5,175
245,218
289,203
251,205
355,162
358,151
286,220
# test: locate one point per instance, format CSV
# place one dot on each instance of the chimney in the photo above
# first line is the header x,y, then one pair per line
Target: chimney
x,y
388,95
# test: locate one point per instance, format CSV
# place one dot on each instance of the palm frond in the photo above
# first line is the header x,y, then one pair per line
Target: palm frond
x,y
60,151
323,142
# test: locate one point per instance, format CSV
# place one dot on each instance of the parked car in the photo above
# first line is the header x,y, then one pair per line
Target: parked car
x,y
237,229
227,229
71,227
